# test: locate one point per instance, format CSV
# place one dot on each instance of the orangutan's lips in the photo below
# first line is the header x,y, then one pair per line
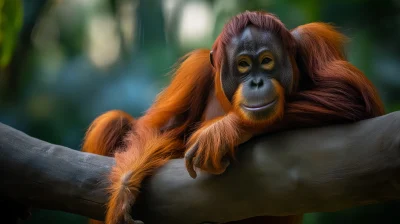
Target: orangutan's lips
x,y
259,107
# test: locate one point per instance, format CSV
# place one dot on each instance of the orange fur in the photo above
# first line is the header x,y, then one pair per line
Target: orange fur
x,y
106,135
181,98
214,139
326,89
131,170
176,111
336,91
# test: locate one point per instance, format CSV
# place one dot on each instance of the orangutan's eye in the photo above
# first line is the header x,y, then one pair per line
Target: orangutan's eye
x,y
267,61
244,64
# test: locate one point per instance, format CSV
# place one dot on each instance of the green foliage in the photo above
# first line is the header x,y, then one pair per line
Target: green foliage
x,y
10,25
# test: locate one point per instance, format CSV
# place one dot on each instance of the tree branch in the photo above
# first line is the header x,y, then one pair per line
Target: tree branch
x,y
309,170
50,176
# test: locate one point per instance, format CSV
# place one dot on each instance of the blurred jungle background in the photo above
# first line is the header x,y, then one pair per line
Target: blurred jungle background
x,y
64,62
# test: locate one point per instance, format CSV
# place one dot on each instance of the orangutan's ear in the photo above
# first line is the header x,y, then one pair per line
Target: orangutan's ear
x,y
211,58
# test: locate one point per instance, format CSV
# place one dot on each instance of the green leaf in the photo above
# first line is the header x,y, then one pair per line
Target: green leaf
x,y
11,14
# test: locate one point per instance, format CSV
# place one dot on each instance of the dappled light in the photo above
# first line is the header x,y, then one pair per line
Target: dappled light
x,y
103,42
195,24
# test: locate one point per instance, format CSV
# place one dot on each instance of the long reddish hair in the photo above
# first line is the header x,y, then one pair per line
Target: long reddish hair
x,y
331,89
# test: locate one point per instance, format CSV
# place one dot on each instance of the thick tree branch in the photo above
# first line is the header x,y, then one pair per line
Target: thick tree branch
x,y
312,170
51,176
